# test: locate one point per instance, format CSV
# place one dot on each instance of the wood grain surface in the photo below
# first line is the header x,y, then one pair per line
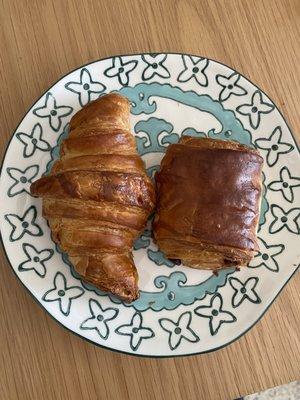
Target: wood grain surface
x,y
42,40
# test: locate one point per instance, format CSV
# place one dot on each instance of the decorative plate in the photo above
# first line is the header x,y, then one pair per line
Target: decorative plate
x,y
180,311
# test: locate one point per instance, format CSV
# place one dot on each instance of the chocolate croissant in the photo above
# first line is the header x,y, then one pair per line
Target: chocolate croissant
x,y
98,197
208,199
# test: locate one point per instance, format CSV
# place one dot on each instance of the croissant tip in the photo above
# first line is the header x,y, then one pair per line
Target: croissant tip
x,y
113,96
127,292
131,296
124,290
33,189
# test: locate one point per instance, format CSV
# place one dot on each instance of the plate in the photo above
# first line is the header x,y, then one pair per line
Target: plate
x,y
180,311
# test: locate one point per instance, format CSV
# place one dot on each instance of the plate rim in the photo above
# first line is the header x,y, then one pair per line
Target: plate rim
x,y
36,299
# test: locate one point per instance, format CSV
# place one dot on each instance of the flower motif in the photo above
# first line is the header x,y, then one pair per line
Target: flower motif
x,y
136,331
285,185
33,141
35,259
62,293
121,69
155,66
53,112
24,224
217,316
274,146
230,86
266,256
85,87
179,330
284,219
194,69
22,179
255,109
99,318
244,291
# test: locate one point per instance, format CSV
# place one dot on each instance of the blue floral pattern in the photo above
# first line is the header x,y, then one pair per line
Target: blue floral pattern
x,y
285,219
22,179
255,109
214,311
23,225
285,184
194,69
136,331
33,141
121,69
155,66
179,330
99,318
54,113
244,291
62,293
274,146
230,86
267,255
35,259
85,88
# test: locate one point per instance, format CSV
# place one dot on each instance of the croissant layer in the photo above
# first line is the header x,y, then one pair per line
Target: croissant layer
x,y
97,197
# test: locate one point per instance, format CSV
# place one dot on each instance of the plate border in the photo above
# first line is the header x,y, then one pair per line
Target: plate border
x,y
36,299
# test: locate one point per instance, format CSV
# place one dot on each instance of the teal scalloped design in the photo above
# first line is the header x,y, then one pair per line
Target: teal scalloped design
x,y
175,292
140,98
159,258
154,128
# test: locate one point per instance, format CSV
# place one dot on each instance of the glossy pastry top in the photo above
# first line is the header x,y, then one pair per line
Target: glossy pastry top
x,y
209,191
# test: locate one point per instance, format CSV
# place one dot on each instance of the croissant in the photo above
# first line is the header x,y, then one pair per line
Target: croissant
x,y
98,197
208,198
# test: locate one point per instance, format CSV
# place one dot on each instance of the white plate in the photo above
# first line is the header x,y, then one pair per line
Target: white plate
x,y
181,311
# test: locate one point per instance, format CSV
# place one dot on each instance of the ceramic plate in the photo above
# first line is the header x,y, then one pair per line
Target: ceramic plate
x,y
180,311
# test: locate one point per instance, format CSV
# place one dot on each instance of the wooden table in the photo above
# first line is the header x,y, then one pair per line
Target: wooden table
x,y
42,40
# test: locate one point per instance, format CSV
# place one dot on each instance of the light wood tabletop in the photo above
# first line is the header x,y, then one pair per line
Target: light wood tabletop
x,y
42,40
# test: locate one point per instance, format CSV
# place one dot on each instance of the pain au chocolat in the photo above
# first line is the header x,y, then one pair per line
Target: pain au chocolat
x,y
208,201
98,197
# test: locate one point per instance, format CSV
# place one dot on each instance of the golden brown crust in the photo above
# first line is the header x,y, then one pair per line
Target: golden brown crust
x,y
114,273
110,110
208,203
98,197
130,216
107,162
118,142
119,187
